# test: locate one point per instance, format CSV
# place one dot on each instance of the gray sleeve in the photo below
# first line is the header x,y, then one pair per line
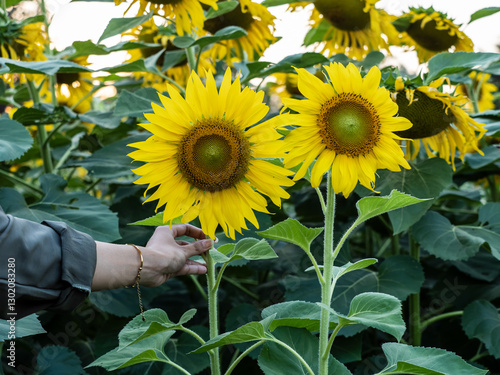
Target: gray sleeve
x,y
54,265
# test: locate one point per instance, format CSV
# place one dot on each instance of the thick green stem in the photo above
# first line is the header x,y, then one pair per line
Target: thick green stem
x,y
415,321
327,285
192,61
241,356
213,312
41,132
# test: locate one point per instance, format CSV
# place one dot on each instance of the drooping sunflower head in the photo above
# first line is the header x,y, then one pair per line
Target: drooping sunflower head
x,y
430,32
479,89
255,19
206,155
347,125
187,14
22,40
356,27
178,70
439,122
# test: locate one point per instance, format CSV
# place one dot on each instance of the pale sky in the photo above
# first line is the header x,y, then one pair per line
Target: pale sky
x,y
87,20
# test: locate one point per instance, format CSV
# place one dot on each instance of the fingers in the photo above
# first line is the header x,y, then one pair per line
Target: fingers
x,y
188,230
192,268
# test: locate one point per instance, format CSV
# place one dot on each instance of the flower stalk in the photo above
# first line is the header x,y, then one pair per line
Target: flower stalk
x,y
213,313
327,282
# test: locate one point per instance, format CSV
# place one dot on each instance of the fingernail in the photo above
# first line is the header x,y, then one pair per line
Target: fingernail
x,y
207,243
216,240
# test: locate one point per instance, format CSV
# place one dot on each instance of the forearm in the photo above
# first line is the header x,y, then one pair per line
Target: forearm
x,y
116,266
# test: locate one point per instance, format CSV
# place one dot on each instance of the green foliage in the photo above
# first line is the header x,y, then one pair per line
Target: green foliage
x,y
119,25
481,320
294,232
58,360
27,326
16,140
483,13
425,361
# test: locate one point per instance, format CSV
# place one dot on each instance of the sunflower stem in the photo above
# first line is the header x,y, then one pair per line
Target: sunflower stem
x,y
20,181
415,321
192,61
327,283
45,152
212,312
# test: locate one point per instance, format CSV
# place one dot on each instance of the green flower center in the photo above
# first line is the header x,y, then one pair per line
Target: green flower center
x,y
430,38
427,115
214,155
347,15
349,125
233,18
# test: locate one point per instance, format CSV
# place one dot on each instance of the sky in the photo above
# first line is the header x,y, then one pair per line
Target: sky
x,y
87,20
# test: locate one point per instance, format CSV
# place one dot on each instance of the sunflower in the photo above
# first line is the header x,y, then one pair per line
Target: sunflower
x,y
354,27
439,122
430,32
206,155
347,125
187,14
149,32
22,41
479,89
255,19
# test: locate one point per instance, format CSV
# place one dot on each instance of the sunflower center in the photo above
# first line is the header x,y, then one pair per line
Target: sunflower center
x,y
67,78
344,15
430,37
214,155
165,2
349,124
427,115
233,18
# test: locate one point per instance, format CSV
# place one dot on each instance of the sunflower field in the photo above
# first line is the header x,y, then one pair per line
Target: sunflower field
x,y
356,206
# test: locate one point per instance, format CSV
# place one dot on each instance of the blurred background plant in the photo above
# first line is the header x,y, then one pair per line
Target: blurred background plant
x,y
68,115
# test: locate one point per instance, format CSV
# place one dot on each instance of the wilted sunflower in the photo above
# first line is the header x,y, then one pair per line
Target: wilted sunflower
x,y
205,155
482,92
355,27
149,32
22,40
430,32
439,122
187,14
347,125
255,19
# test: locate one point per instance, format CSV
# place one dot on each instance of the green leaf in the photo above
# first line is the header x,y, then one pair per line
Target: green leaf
x,y
349,267
111,161
106,120
351,285
253,249
316,34
370,207
405,359
224,7
481,320
425,179
298,314
27,326
58,360
15,141
457,62
439,237
229,32
252,331
400,276
183,41
478,161
378,310
157,321
49,67
483,13
150,349
135,104
483,235
156,221
274,359
180,351
79,210
119,25
292,231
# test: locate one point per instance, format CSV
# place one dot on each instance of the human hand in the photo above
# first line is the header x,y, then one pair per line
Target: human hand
x,y
166,257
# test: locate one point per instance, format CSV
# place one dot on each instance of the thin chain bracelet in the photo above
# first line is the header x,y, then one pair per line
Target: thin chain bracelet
x,y
137,279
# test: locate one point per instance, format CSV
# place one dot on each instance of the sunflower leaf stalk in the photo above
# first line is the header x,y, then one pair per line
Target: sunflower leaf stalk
x,y
213,313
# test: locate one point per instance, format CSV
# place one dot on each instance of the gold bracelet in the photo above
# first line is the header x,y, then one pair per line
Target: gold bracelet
x,y
137,279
